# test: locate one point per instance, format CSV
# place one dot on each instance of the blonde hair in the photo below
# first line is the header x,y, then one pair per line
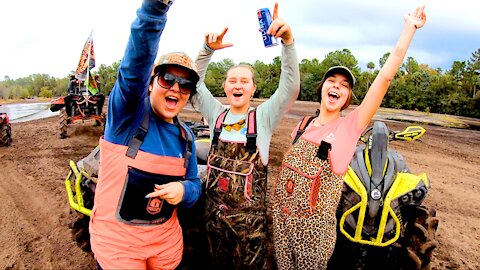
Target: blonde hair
x,y
247,66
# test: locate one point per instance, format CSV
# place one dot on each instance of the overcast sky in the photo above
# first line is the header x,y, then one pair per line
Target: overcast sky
x,y
47,36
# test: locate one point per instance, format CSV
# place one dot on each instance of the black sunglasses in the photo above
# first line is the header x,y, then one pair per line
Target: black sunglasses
x,y
168,80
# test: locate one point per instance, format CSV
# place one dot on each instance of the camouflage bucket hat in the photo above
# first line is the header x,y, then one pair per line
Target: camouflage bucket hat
x,y
177,59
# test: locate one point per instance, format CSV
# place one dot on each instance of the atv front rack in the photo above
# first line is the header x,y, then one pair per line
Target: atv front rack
x,y
77,177
403,184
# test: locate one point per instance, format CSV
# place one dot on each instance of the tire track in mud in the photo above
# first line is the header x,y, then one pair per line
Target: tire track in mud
x,y
29,207
35,220
28,221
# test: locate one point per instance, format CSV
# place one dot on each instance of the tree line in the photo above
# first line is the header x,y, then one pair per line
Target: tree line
x,y
415,86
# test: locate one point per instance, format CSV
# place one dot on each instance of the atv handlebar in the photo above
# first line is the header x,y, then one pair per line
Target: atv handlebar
x,y
410,133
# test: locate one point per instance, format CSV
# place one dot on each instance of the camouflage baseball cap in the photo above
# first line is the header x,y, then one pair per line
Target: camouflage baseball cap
x,y
177,59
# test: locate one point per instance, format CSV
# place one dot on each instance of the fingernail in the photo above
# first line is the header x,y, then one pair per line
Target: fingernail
x,y
147,196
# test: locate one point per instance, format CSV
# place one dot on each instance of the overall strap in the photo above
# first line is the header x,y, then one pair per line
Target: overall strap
x,y
303,125
251,145
187,136
137,139
218,128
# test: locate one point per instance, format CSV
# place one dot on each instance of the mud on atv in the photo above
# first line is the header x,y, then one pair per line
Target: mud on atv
x,y
5,130
382,223
78,107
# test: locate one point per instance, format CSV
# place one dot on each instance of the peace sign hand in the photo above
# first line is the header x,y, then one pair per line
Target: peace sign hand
x,y
417,18
215,41
280,28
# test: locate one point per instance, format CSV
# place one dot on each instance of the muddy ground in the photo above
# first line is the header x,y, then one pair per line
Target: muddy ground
x,y
34,213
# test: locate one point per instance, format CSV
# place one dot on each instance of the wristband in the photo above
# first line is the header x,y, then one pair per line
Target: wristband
x,y
205,46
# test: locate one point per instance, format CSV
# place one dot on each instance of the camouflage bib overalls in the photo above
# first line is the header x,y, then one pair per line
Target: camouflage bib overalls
x,y
236,201
306,196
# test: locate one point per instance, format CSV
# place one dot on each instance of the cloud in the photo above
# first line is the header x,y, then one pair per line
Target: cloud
x,y
48,36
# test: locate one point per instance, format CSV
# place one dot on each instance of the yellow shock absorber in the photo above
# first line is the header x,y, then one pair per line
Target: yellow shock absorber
x,y
78,205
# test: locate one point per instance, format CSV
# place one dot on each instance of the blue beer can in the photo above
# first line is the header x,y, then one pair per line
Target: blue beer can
x,y
265,19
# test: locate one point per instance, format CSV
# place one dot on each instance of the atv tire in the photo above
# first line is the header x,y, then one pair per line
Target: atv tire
x,y
80,231
421,243
195,248
5,135
63,123
413,250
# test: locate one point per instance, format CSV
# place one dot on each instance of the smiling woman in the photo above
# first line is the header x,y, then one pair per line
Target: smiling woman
x,y
171,92
148,166
310,182
236,183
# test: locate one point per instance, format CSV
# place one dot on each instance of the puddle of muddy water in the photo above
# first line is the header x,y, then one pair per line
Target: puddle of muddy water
x,y
21,112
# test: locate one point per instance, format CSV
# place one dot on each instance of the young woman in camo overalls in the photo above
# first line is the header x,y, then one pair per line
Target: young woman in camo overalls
x,y
308,188
236,185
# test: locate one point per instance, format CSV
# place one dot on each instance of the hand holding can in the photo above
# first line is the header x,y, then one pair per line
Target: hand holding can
x,y
274,27
265,20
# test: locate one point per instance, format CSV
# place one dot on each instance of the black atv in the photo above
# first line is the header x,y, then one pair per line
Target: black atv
x,y
79,105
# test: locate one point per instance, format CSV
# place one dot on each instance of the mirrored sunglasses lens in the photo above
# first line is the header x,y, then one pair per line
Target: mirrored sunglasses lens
x,y
167,80
186,84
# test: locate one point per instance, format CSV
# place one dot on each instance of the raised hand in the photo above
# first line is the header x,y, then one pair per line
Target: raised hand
x,y
417,18
215,41
279,28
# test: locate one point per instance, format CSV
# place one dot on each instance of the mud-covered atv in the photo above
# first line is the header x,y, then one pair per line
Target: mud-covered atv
x,y
382,223
78,106
81,181
5,130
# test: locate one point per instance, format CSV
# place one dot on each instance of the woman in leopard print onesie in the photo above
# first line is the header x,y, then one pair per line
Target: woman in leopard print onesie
x,y
308,187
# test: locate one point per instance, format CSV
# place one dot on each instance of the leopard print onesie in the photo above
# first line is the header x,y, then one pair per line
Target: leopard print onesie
x,y
304,204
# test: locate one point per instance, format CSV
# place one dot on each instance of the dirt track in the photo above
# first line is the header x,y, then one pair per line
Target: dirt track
x,y
34,213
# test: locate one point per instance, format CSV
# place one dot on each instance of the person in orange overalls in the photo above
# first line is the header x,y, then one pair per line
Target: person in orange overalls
x,y
148,162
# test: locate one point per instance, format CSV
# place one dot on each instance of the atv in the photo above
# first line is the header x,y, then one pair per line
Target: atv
x,y
5,130
81,181
78,105
382,223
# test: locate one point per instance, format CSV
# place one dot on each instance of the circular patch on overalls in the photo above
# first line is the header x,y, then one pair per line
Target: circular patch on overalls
x,y
290,186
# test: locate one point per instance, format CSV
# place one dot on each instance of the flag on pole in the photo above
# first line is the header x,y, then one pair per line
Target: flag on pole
x,y
86,63
91,84
87,59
